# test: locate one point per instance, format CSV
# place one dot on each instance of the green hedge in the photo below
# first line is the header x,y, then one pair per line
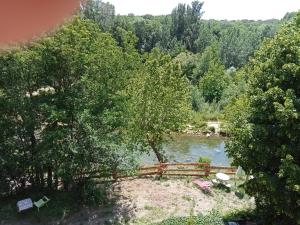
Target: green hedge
x,y
213,218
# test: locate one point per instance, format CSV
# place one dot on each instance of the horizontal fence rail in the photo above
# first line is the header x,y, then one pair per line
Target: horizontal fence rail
x,y
184,169
167,169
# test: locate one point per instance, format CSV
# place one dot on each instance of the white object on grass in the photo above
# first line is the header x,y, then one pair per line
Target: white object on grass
x,y
24,204
215,181
228,185
222,177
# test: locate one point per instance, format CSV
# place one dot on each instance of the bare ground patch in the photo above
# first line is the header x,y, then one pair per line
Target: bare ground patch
x,y
155,200
145,201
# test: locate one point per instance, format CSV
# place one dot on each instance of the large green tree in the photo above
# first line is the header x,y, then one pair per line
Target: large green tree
x,y
158,103
61,105
100,12
265,127
203,61
213,82
185,23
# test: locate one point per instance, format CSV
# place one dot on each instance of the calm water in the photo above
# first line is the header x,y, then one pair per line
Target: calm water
x,y
190,148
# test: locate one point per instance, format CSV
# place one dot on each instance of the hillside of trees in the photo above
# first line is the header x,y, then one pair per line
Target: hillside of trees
x,y
210,52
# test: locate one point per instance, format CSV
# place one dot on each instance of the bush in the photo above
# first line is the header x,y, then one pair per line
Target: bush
x,y
213,218
203,159
200,125
245,214
93,194
264,128
212,129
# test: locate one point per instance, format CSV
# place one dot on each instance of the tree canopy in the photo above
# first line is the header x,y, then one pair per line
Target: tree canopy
x,y
265,131
103,89
61,105
159,103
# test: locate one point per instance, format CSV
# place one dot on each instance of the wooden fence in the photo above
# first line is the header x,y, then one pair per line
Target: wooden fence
x,y
183,169
168,169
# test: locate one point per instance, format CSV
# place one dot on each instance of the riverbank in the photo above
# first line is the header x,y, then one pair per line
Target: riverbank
x,y
207,129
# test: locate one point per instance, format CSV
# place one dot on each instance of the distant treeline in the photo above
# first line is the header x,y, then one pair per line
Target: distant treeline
x,y
184,30
211,52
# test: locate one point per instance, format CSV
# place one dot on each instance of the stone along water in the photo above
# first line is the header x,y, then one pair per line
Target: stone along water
x,y
190,148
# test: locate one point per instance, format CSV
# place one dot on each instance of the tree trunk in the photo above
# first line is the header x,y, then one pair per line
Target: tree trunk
x,y
37,176
49,178
42,178
156,151
55,181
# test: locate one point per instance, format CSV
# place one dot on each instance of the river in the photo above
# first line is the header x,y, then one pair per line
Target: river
x,y
189,148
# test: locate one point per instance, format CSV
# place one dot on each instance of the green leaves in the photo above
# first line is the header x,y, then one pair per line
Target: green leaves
x,y
213,82
63,104
265,130
158,102
213,218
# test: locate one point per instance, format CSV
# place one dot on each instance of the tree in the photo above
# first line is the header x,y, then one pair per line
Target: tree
x,y
265,127
20,117
239,40
209,32
102,13
185,23
210,55
187,61
158,103
213,82
148,33
62,105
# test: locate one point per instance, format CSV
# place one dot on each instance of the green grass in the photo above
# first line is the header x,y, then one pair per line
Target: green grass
x,y
213,218
61,205
199,118
148,207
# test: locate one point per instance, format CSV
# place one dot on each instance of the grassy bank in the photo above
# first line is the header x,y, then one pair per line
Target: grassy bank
x,y
61,205
213,218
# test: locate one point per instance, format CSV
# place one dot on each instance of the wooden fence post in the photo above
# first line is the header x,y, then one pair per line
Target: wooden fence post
x,y
207,170
115,175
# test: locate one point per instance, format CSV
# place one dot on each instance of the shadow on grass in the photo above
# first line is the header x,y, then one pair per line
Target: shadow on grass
x,y
61,205
65,208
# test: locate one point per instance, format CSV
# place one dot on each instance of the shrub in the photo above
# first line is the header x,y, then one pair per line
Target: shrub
x,y
245,214
212,129
203,159
264,128
200,125
213,218
93,194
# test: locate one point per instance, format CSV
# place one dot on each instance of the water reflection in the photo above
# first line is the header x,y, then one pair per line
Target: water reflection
x,y
190,148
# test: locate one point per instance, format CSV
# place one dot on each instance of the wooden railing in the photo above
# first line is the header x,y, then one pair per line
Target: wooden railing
x,y
169,169
184,169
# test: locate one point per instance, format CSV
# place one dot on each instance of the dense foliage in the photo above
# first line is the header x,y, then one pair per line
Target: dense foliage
x,y
265,127
201,47
158,103
80,103
213,218
184,31
93,96
61,106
